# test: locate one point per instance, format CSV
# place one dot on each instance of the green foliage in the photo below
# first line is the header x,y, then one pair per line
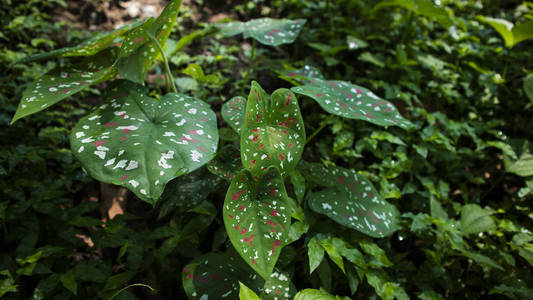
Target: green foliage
x,y
449,166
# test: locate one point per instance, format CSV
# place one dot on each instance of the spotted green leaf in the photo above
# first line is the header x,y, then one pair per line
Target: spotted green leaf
x,y
90,47
138,52
273,133
350,200
137,142
305,74
227,163
267,31
217,276
63,82
257,217
233,112
351,101
278,286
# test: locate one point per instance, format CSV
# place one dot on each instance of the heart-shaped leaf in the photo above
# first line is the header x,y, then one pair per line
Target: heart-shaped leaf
x,y
351,101
350,200
305,74
257,216
273,133
233,112
61,83
227,163
217,276
138,52
267,31
90,47
137,142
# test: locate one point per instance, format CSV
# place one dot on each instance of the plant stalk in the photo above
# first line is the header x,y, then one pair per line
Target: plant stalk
x,y
168,74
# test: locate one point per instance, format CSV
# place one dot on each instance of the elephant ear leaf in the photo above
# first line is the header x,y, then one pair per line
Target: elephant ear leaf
x,y
304,75
233,112
273,133
267,31
257,216
351,200
137,142
351,101
63,82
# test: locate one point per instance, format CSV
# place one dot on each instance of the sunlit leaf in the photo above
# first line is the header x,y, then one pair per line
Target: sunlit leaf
x,y
257,218
63,82
267,31
351,101
137,142
350,200
273,133
247,294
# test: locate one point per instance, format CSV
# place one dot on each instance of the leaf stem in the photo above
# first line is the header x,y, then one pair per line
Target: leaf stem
x,y
131,285
323,124
168,74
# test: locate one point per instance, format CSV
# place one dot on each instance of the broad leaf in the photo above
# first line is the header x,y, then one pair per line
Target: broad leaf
x,y
351,101
217,276
137,142
233,112
267,31
475,219
63,82
90,47
227,163
273,133
257,217
350,200
305,74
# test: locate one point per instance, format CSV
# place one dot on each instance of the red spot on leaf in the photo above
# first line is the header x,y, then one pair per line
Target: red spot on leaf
x,y
249,240
192,131
373,217
122,138
274,213
370,116
271,223
243,230
99,143
272,191
124,177
261,146
111,124
201,149
126,131
231,217
281,156
288,100
242,207
188,140
276,244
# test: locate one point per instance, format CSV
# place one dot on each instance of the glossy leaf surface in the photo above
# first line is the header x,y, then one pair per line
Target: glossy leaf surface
x,y
139,143
267,31
233,112
257,217
61,83
350,200
351,101
217,276
227,163
273,133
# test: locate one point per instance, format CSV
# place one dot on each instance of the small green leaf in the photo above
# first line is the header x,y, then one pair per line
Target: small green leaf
x,y
257,218
355,43
215,276
69,282
267,31
273,133
298,183
522,164
7,285
234,111
315,252
475,219
333,254
139,143
350,200
247,294
61,83
312,294
351,101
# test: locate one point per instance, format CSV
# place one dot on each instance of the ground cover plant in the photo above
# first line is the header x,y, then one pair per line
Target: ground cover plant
x,y
346,149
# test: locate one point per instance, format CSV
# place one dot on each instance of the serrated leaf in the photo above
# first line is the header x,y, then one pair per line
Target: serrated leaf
x,y
305,74
227,163
215,276
273,133
528,86
351,200
234,111
351,101
475,219
257,217
137,142
267,31
63,82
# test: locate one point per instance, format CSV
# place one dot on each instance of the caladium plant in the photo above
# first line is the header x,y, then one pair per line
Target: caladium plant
x,y
267,31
